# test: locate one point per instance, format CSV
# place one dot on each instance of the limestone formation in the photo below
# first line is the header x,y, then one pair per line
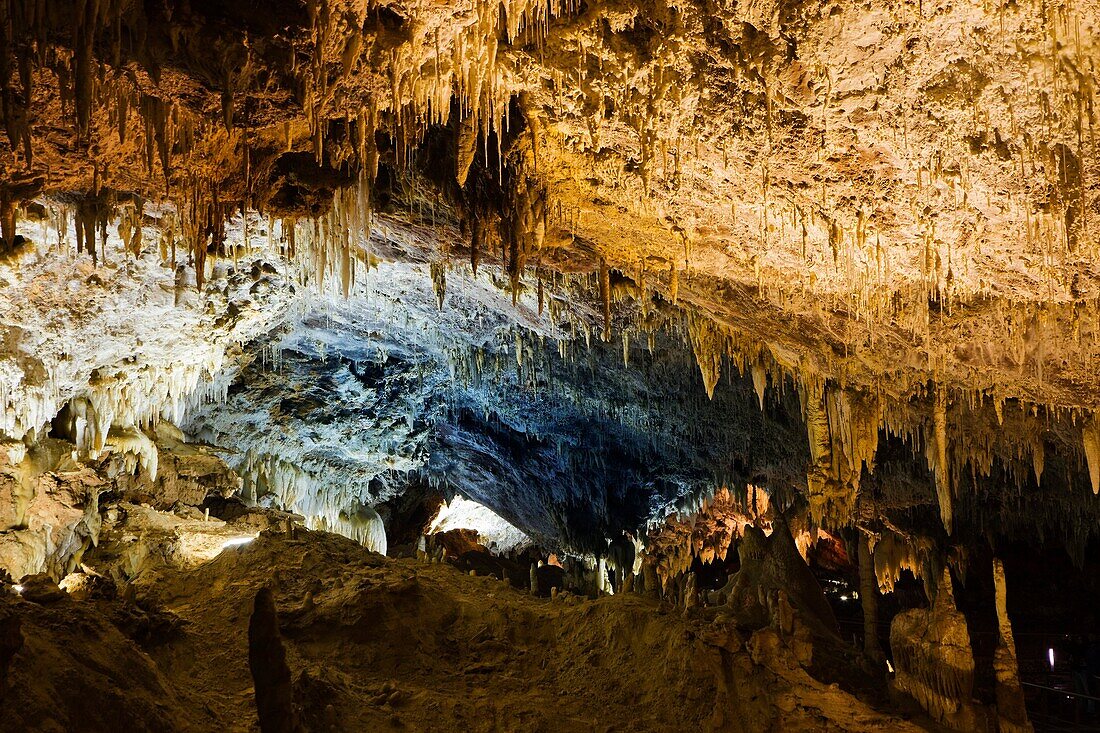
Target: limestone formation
x,y
933,659
771,565
270,674
364,525
11,642
868,594
1011,714
779,315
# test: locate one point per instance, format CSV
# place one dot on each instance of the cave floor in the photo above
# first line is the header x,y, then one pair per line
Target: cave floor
x,y
374,643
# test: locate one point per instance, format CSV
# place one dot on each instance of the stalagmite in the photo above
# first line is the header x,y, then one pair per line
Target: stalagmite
x,y
11,642
868,596
881,227
1011,712
933,660
270,674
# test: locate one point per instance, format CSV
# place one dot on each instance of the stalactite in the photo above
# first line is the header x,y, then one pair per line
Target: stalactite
x,y
15,107
605,300
87,12
92,214
466,148
937,458
130,224
7,216
759,382
1090,438
710,346
842,428
439,281
362,524
155,115
893,554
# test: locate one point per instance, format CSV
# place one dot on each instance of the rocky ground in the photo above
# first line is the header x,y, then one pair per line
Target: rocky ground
x,y
396,644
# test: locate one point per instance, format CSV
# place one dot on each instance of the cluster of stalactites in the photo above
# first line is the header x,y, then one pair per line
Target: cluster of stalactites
x,y
715,344
705,534
458,62
330,248
953,430
159,133
114,411
950,428
448,56
842,424
704,529
343,509
137,450
85,81
707,528
118,401
359,522
894,554
439,62
842,428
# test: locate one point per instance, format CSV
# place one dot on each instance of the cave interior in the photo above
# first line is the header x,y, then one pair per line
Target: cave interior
x,y
560,365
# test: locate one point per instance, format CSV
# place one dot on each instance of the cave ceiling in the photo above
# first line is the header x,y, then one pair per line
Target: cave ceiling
x,y
654,248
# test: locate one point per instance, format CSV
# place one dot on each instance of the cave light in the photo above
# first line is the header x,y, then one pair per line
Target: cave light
x,y
236,542
1050,656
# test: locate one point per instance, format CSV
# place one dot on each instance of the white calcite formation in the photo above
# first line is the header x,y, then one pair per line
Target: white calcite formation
x,y
337,411
123,343
103,356
495,533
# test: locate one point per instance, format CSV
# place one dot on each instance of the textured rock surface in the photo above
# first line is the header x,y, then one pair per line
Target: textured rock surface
x,y
1011,712
924,171
889,206
372,643
935,664
599,267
